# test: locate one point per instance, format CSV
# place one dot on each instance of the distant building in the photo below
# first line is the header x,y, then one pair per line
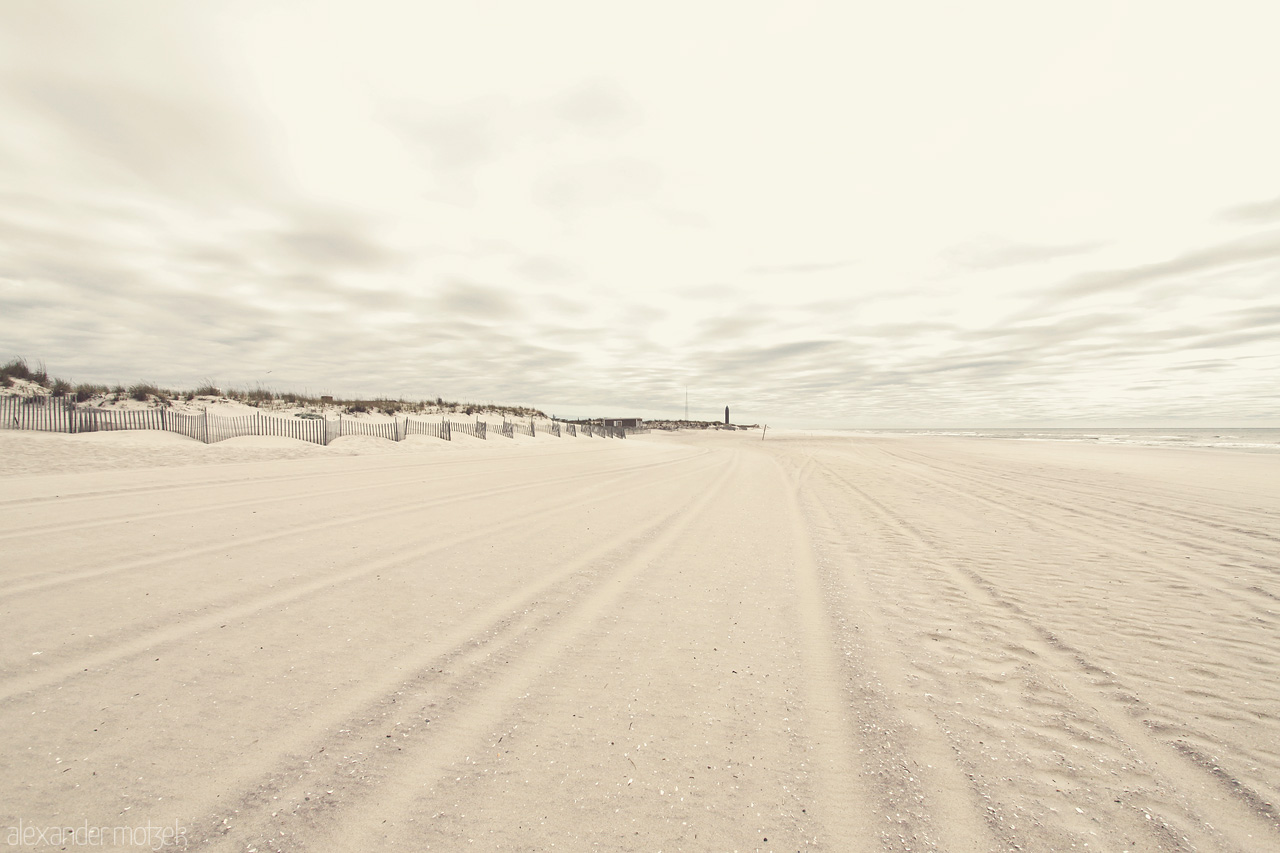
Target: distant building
x,y
630,423
726,414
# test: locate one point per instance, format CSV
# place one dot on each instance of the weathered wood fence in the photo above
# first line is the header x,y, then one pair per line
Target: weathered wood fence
x,y
479,429
438,430
51,414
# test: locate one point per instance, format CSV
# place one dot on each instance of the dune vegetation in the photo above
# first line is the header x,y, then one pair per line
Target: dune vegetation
x,y
18,376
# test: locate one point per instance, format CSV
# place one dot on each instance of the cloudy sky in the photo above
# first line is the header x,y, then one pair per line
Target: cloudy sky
x,y
826,214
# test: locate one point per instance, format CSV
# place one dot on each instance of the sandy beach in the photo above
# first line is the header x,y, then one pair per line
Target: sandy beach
x,y
692,641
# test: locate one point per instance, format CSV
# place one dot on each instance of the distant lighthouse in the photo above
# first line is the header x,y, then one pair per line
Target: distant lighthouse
x,y
726,415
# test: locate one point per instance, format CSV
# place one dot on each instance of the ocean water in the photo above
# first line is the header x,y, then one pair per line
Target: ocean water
x,y
1253,438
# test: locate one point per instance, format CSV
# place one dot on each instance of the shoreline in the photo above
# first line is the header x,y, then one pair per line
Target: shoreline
x,y
1247,439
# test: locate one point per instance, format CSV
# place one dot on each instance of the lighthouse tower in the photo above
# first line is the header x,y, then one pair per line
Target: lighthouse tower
x,y
726,415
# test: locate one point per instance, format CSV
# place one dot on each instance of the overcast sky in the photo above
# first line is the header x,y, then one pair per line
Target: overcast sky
x,y
839,214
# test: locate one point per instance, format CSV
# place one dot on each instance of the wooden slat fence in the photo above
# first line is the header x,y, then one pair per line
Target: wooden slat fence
x,y
220,428
192,426
54,414
432,428
479,429
46,414
351,426
103,420
304,429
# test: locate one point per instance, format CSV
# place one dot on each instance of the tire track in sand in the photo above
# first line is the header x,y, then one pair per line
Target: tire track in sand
x,y
1227,814
145,642
351,814
1247,599
910,776
48,489
20,588
1090,501
64,528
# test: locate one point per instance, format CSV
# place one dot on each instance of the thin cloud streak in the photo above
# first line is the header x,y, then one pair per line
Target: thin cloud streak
x,y
996,254
798,269
1263,247
1255,213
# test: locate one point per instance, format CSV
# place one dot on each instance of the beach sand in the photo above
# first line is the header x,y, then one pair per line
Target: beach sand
x,y
692,641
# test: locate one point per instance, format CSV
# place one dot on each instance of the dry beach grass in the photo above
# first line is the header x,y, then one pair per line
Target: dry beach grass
x,y
690,641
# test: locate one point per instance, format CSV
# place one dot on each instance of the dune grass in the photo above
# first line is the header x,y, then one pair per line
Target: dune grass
x,y
86,391
18,369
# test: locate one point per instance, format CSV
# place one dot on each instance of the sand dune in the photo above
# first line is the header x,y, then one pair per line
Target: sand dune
x,y
674,642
